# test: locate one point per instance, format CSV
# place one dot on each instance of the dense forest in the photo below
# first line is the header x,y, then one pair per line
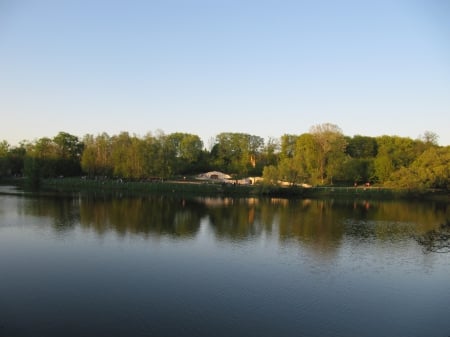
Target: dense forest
x,y
322,156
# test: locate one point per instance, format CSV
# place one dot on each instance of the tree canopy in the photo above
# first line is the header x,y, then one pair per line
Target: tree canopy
x,y
322,156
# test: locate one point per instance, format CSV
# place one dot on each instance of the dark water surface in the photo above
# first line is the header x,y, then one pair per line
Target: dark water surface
x,y
87,265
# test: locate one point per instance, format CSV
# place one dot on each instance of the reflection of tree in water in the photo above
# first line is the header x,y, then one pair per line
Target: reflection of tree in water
x,y
308,221
323,224
320,225
141,215
315,223
436,240
63,210
394,219
235,218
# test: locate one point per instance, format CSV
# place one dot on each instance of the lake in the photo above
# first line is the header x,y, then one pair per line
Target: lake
x,y
102,265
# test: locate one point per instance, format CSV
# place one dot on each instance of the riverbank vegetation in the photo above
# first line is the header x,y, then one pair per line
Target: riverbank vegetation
x,y
324,156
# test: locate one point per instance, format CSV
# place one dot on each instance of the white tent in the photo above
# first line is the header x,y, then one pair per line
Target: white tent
x,y
214,175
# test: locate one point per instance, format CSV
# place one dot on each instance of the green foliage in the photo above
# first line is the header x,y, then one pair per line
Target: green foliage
x,y
288,145
58,156
383,167
395,154
361,147
237,153
4,163
269,153
33,169
270,175
187,151
11,159
287,170
16,158
322,156
96,159
358,170
429,170
330,144
400,150
68,153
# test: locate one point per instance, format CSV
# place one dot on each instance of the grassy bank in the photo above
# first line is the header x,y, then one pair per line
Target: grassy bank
x,y
157,187
195,188
218,189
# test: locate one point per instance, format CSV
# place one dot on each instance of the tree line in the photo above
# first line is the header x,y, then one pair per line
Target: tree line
x,y
322,156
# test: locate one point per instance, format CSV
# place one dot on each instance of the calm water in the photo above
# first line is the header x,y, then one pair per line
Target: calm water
x,y
152,266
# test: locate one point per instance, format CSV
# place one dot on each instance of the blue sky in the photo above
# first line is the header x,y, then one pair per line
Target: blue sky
x,y
261,67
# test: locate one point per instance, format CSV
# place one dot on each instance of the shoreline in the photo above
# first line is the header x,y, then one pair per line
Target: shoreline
x,y
215,189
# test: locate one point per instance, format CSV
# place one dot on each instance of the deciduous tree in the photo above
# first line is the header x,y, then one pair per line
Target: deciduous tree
x,y
331,144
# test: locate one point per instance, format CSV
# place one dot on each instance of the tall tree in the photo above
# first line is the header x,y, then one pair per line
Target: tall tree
x,y
270,175
288,144
68,150
125,156
96,159
237,152
331,145
306,158
88,158
430,170
286,167
68,146
269,155
167,156
186,149
430,137
43,158
395,152
4,162
16,156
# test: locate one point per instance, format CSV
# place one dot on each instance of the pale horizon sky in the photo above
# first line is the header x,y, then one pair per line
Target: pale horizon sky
x,y
266,68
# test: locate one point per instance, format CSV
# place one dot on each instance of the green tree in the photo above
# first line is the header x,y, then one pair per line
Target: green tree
x,y
68,151
186,149
334,164
166,156
68,146
287,168
331,144
44,148
126,156
306,158
151,149
288,145
356,170
361,147
270,152
384,167
395,152
237,153
430,170
43,153
16,157
88,158
96,159
33,167
4,162
270,175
